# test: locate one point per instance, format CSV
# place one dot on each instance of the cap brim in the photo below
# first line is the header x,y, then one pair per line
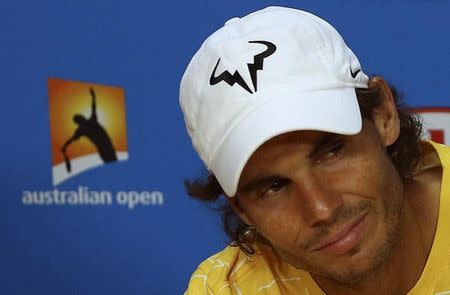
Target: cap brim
x,y
333,110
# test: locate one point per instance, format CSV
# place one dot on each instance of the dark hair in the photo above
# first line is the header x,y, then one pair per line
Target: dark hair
x,y
405,154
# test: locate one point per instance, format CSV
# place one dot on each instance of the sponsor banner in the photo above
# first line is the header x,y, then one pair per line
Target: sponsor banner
x,y
436,123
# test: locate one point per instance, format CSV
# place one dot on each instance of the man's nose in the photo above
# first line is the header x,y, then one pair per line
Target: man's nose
x,y
318,200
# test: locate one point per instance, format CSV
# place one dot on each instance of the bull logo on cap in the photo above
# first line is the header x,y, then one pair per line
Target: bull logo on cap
x,y
258,61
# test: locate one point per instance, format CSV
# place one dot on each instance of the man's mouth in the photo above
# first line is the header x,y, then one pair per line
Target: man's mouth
x,y
344,239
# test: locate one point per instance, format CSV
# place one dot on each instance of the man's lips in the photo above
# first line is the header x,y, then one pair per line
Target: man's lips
x,y
344,238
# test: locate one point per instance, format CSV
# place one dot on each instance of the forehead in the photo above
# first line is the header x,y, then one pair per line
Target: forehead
x,y
284,148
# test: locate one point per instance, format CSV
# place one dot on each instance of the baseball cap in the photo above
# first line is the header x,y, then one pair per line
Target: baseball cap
x,y
273,71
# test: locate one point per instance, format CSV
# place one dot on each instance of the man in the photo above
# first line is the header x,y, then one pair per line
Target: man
x,y
327,187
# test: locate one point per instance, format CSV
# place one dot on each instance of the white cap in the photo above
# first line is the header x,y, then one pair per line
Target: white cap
x,y
273,71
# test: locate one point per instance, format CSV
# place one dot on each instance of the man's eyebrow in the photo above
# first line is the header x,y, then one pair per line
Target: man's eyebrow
x,y
257,183
322,142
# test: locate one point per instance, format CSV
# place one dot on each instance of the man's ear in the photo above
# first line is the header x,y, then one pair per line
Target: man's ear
x,y
234,203
385,116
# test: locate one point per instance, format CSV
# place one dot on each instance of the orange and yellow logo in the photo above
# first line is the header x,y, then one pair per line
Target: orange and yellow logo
x,y
87,126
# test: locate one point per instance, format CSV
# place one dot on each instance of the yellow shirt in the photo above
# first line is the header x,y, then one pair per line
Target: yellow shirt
x,y
232,272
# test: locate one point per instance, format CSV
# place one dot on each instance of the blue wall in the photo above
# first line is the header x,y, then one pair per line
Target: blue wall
x,y
144,47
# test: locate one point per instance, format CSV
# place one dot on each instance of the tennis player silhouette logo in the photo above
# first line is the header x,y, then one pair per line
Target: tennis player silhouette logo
x,y
88,127
94,132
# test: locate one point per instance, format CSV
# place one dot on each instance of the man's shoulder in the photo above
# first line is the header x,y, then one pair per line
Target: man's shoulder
x,y
232,271
216,272
222,260
442,150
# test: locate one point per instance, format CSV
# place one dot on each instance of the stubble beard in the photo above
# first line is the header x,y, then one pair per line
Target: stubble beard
x,y
374,264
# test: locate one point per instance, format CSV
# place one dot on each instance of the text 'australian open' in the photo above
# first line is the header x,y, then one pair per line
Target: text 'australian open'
x,y
85,197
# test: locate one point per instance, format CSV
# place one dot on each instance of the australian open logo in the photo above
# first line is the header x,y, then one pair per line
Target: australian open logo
x,y
87,130
87,126
436,123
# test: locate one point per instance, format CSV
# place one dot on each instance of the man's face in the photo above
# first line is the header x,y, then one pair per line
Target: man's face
x,y
327,203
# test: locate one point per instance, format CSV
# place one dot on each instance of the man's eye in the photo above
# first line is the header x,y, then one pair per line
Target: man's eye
x,y
330,152
335,149
277,185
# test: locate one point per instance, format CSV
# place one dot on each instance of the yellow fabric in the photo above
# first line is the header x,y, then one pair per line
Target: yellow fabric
x,y
232,272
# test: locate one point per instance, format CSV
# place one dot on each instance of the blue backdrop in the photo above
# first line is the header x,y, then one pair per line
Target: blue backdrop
x,y
144,47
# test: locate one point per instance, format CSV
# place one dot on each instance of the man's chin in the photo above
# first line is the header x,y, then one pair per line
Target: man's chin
x,y
350,270
346,277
